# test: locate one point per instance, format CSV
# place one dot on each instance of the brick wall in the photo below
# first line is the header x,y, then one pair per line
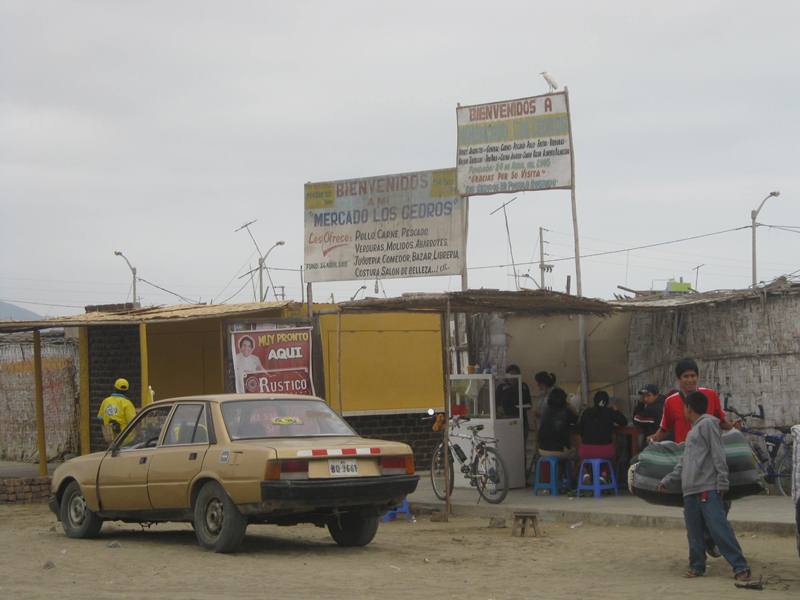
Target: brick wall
x,y
18,441
113,353
749,349
24,490
407,428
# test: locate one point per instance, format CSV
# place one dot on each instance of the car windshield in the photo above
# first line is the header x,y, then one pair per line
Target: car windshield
x,y
252,419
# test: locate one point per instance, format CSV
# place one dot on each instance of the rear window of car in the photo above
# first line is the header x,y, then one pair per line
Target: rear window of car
x,y
254,419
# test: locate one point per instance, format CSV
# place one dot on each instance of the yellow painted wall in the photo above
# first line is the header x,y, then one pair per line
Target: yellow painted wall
x,y
391,362
185,358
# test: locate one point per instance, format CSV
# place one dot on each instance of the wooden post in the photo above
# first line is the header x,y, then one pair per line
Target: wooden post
x,y
339,362
445,319
37,377
84,405
145,379
582,360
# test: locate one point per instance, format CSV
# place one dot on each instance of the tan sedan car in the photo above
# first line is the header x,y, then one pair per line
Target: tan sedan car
x,y
221,462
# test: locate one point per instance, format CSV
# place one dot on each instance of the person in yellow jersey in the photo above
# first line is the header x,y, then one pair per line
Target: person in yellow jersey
x,y
116,410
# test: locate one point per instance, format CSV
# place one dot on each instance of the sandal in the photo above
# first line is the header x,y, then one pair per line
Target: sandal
x,y
692,574
742,575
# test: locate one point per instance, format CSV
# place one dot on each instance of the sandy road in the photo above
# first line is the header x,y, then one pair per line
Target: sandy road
x,y
461,559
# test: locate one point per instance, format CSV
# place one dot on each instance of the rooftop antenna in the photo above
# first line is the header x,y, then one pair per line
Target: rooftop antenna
x,y
551,82
508,236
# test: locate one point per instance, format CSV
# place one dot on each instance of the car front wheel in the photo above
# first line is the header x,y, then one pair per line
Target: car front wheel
x,y
78,520
353,529
218,524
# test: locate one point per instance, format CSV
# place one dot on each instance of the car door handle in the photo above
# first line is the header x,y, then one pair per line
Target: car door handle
x,y
193,456
142,460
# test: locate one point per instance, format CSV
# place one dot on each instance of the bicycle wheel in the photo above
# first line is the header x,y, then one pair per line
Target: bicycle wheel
x,y
491,476
783,474
438,472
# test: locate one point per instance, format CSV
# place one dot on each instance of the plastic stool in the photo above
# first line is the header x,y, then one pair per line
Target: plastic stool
x,y
596,486
402,509
552,485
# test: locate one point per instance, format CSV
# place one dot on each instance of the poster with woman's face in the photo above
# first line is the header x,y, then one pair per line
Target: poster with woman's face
x,y
273,361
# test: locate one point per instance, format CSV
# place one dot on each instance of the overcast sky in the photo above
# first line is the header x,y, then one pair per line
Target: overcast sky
x,y
158,128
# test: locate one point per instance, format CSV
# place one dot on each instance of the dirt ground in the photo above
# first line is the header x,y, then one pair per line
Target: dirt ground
x,y
462,559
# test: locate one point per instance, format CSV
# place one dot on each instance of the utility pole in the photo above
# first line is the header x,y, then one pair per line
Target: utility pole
x,y
508,236
753,216
696,276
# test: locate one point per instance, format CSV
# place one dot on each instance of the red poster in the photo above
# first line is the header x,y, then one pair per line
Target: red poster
x,y
273,361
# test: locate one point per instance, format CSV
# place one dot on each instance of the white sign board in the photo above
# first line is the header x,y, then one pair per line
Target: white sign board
x,y
405,225
516,145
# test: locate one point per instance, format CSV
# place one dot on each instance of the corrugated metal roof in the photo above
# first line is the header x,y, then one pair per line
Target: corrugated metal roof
x,y
154,314
484,301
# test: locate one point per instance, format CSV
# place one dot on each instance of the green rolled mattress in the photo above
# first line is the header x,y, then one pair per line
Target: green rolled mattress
x,y
659,458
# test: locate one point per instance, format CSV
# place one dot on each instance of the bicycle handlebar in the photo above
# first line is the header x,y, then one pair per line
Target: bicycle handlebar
x,y
758,415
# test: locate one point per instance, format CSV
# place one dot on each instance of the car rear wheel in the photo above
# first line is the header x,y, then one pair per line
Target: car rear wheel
x,y
78,520
353,529
218,524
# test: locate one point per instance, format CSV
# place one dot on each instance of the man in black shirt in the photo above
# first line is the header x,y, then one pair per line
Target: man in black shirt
x,y
647,414
507,398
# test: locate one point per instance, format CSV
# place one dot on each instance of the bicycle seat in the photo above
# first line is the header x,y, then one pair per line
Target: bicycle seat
x,y
475,427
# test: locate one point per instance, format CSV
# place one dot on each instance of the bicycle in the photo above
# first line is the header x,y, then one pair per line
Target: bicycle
x,y
484,468
773,452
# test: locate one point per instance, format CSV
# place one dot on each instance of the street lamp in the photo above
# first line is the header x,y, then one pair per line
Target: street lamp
x,y
353,297
261,263
753,215
133,270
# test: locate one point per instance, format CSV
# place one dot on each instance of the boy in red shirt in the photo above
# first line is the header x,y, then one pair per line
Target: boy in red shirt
x,y
674,421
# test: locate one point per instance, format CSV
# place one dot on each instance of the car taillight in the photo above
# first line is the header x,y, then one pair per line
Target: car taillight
x,y
286,469
397,464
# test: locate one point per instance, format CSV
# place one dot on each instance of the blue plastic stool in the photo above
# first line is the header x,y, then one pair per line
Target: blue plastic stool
x,y
402,509
551,485
596,486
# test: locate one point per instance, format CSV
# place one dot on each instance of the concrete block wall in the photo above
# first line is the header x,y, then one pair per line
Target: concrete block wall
x,y
113,353
18,438
749,349
407,428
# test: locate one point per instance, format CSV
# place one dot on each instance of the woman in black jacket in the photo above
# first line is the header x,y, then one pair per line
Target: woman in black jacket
x,y
596,427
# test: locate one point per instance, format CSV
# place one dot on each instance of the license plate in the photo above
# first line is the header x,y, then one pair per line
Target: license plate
x,y
343,467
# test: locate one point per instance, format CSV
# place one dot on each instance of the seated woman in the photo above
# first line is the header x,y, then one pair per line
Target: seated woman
x,y
596,427
557,422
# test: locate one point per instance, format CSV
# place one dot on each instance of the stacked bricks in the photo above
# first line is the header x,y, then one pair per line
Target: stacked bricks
x,y
24,490
407,428
113,353
749,349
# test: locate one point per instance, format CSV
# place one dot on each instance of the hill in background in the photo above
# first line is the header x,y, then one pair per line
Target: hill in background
x,y
15,313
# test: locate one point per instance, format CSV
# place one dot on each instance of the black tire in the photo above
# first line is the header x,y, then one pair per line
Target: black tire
x,y
77,519
783,477
437,472
218,524
491,476
353,529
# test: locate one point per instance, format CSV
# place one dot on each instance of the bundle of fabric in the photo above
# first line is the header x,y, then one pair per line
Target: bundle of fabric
x,y
658,459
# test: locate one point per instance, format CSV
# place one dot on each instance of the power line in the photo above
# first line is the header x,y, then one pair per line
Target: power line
x,y
236,293
246,263
41,303
686,239
184,298
789,229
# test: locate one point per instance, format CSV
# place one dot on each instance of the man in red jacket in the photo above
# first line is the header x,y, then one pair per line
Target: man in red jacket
x,y
673,421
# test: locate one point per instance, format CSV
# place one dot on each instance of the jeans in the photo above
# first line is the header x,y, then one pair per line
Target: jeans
x,y
710,515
